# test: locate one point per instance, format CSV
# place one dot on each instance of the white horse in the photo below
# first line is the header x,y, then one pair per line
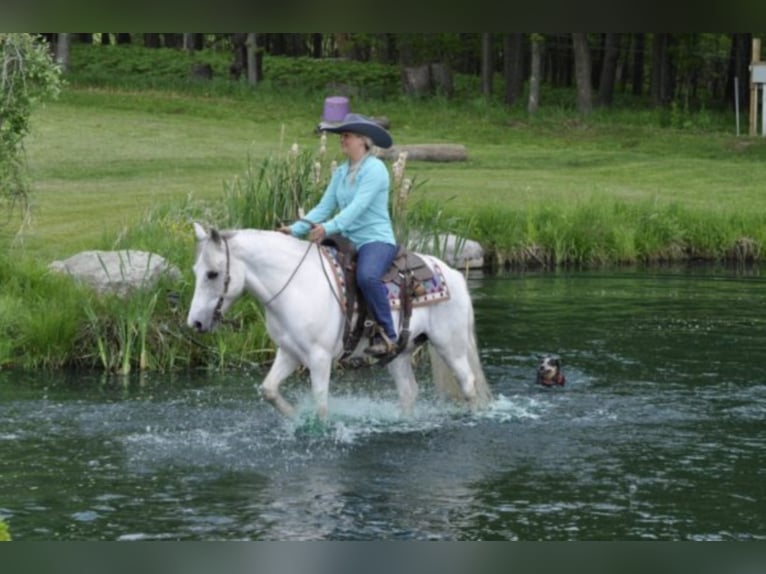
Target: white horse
x,y
305,320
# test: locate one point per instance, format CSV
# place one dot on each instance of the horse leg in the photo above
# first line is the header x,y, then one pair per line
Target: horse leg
x,y
404,377
283,366
320,369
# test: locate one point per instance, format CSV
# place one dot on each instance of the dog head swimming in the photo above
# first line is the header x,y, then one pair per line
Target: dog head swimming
x,y
549,372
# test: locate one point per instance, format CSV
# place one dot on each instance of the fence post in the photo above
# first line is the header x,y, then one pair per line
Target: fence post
x,y
754,59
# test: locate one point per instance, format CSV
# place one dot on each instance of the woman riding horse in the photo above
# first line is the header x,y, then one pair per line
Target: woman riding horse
x,y
355,205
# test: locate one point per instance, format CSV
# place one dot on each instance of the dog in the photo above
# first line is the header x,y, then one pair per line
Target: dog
x,y
549,373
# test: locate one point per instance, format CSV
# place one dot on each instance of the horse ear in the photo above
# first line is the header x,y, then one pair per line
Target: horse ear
x,y
215,236
199,231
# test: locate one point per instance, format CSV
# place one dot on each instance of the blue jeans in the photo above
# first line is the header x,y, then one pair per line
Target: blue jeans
x,y
374,260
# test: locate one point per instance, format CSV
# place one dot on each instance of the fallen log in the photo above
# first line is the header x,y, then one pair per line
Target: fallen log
x,y
427,152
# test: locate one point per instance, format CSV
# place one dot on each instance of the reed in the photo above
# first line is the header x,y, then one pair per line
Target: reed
x,y
600,231
278,191
39,316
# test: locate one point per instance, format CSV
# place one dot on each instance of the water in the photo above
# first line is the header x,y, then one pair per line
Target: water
x,y
659,433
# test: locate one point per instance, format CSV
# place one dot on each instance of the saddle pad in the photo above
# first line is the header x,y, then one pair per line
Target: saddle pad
x,y
434,289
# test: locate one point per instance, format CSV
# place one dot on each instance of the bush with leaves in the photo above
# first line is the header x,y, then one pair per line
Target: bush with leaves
x,y
28,75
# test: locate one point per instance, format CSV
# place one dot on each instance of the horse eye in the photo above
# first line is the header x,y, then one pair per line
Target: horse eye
x,y
212,275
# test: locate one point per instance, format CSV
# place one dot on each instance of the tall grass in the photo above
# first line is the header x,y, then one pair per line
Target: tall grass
x,y
602,230
278,191
39,315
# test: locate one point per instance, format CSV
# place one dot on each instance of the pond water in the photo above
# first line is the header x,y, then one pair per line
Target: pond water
x,y
658,434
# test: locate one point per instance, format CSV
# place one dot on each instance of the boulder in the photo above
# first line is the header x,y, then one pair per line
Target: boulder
x,y
117,272
456,251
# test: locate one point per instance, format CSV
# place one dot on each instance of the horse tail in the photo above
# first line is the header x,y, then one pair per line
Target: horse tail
x,y
445,380
483,392
442,376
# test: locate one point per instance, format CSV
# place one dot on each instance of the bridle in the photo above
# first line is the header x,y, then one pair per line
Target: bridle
x,y
217,312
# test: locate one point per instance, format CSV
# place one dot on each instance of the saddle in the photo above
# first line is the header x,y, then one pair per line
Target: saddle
x,y
408,271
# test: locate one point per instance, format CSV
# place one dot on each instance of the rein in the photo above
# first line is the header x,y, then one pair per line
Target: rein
x,y
217,315
292,275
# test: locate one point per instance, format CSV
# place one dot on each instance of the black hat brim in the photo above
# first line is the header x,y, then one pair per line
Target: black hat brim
x,y
379,136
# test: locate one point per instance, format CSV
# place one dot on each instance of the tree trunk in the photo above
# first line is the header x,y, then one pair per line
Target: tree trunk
x,y
535,73
637,64
739,64
193,41
316,45
513,66
609,69
173,40
559,57
439,152
152,40
239,55
486,64
388,49
662,70
466,58
582,72
252,64
62,50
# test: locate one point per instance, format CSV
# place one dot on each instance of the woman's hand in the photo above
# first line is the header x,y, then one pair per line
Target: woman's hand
x,y
317,233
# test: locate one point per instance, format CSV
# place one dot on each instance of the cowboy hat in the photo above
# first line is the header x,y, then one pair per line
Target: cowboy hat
x,y
359,124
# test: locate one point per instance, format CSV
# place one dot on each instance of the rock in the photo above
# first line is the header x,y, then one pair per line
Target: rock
x,y
117,272
456,251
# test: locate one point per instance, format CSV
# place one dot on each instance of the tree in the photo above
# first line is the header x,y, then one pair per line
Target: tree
x,y
513,66
582,72
63,43
536,72
739,59
152,40
252,62
28,75
608,69
637,64
662,69
487,64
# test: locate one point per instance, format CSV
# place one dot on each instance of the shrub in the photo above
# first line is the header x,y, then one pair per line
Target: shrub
x,y
27,76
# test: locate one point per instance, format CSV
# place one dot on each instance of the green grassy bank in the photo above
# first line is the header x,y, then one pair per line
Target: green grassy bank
x,y
118,167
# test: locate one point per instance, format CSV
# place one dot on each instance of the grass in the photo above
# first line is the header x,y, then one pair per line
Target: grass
x,y
100,158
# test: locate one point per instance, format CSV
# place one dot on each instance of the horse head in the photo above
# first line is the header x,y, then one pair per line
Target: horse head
x,y
219,279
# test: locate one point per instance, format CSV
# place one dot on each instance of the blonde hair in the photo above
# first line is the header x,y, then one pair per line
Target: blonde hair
x,y
367,142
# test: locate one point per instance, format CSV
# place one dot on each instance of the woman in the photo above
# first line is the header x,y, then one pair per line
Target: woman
x,y
355,205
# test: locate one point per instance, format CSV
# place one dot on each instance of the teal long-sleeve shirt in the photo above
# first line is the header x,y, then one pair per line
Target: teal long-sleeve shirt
x,y
362,205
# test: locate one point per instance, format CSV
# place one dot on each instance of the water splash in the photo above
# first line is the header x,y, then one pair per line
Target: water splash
x,y
516,408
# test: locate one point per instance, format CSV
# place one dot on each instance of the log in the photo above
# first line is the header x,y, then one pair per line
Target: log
x,y
427,152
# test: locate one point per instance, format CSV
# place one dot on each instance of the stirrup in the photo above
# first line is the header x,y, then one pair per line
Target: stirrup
x,y
383,347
